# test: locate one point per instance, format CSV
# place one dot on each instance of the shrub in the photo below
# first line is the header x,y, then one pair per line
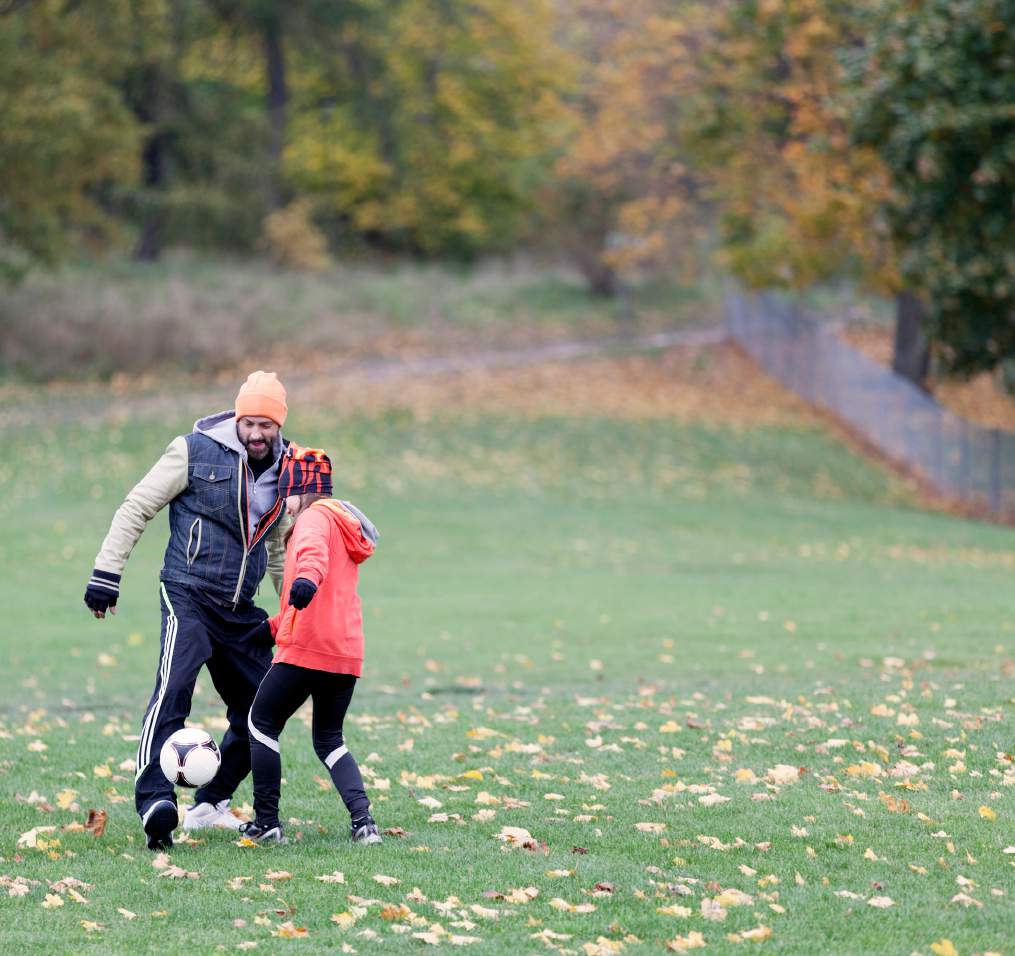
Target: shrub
x,y
292,241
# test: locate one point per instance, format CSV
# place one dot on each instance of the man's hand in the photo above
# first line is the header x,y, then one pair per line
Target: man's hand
x,y
102,592
301,593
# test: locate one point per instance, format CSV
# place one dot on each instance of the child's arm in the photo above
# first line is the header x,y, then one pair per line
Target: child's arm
x,y
310,542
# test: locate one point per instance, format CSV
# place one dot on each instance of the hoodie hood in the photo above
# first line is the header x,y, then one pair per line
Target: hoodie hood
x,y
221,427
357,543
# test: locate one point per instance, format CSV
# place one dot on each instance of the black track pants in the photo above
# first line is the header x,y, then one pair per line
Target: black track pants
x,y
196,632
283,691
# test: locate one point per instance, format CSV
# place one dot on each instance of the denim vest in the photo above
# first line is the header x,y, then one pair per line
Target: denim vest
x,y
210,545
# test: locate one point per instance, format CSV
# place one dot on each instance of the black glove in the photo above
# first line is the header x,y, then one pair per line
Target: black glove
x,y
260,636
301,593
102,592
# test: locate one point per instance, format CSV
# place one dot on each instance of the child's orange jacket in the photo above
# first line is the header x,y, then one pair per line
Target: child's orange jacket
x,y
327,547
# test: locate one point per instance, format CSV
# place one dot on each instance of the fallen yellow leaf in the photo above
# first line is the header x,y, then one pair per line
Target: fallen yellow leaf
x,y
681,944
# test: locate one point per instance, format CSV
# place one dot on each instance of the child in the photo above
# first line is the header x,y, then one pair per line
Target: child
x,y
319,633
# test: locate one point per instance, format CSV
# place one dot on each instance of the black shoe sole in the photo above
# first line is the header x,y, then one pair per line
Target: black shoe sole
x,y
164,842
160,826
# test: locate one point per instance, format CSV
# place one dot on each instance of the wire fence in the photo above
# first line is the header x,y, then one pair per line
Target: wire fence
x,y
959,459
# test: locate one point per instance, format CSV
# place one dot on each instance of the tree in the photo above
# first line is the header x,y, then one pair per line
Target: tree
x,y
936,101
624,195
66,135
771,125
426,126
205,181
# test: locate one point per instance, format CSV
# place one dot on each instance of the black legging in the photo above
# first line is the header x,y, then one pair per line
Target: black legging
x,y
282,692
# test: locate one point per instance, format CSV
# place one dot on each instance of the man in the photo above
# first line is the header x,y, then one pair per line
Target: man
x,y
225,531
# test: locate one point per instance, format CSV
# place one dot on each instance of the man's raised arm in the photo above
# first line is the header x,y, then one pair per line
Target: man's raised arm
x,y
166,479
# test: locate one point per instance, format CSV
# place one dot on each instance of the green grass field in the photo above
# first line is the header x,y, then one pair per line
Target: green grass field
x,y
737,688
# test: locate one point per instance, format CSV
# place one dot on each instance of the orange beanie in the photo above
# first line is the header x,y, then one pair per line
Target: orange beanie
x,y
262,396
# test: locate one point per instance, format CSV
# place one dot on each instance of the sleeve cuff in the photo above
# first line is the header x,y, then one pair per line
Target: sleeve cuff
x,y
106,580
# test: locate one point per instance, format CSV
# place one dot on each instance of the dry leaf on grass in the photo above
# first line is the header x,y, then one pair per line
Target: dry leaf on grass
x,y
675,909
565,907
783,774
96,822
30,839
681,944
603,947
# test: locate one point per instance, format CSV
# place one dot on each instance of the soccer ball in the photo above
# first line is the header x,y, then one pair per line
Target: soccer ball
x,y
190,758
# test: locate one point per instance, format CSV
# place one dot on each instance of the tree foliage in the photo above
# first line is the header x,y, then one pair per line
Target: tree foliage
x,y
866,138
798,202
67,135
936,101
427,125
623,194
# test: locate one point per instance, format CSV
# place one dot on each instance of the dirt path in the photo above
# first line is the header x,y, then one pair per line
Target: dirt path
x,y
70,403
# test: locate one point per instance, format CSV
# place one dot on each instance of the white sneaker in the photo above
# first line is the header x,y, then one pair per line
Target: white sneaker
x,y
203,815
366,834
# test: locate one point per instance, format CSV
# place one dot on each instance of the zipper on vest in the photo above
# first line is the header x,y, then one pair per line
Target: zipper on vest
x,y
191,558
249,536
244,533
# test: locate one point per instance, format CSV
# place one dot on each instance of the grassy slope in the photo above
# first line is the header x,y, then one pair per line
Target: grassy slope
x,y
187,314
595,580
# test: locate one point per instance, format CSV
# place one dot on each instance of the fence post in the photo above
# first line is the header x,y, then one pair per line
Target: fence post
x,y
995,470
964,460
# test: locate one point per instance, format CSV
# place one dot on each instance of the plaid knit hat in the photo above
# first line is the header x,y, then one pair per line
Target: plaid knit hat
x,y
304,470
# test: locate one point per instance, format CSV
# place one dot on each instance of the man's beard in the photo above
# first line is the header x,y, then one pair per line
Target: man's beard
x,y
257,453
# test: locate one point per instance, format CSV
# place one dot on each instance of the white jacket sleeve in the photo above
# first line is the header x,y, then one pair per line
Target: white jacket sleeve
x,y
276,551
166,479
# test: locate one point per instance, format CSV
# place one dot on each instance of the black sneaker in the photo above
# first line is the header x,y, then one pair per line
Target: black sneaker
x,y
159,821
365,832
259,834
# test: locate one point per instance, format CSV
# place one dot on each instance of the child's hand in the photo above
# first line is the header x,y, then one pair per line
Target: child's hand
x,y
301,593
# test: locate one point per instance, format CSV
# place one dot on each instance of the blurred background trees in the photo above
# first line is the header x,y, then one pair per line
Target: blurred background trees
x,y
796,142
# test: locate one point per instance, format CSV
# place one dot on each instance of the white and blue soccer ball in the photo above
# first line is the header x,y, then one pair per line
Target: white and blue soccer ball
x,y
190,758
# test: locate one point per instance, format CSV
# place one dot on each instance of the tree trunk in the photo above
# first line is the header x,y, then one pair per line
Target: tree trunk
x,y
911,358
602,278
149,243
274,61
150,107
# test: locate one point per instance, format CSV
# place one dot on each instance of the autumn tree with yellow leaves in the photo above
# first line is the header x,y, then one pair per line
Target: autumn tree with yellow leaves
x,y
624,195
798,201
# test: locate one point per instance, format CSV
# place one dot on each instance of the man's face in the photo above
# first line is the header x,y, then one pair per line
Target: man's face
x,y
257,435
